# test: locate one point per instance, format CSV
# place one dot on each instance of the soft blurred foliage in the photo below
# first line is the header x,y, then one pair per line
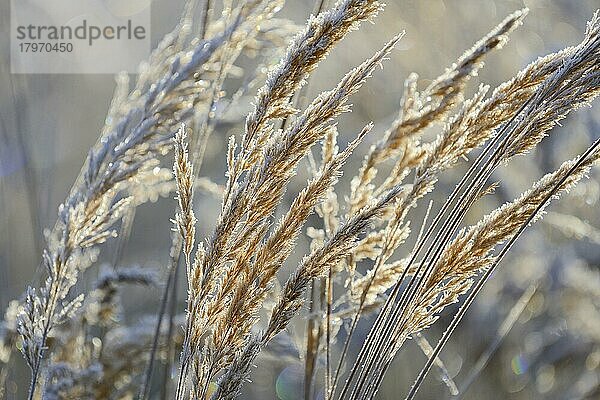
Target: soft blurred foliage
x,y
48,122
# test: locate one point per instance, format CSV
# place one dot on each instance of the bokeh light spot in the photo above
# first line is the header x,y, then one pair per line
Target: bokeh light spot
x,y
288,385
519,364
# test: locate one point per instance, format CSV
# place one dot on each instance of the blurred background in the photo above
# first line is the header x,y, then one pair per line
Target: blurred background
x,y
552,351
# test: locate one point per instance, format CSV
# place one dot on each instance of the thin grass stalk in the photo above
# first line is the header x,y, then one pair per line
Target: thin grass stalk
x,y
145,386
30,179
123,238
503,331
309,359
444,375
171,349
204,20
328,382
358,312
379,261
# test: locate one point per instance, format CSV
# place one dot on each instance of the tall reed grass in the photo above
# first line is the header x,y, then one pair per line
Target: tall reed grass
x,y
235,306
